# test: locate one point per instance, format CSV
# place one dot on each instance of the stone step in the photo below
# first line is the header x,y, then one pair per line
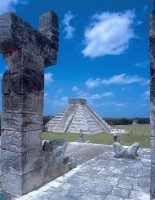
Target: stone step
x,y
75,117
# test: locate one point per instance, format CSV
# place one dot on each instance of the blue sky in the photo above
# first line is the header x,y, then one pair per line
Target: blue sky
x,y
103,54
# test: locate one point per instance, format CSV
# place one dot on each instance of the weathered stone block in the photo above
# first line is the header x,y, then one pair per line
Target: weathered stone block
x,y
152,186
55,158
23,58
49,27
152,101
23,81
17,34
21,122
50,171
152,87
152,118
33,180
153,150
152,25
48,19
20,185
21,163
32,103
12,183
16,141
152,62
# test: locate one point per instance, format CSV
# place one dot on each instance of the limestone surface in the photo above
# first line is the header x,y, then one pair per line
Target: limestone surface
x,y
78,116
101,178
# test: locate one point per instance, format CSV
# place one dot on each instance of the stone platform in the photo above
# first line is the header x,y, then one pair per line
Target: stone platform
x,y
101,178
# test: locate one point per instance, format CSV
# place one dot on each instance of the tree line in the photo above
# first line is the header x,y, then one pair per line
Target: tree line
x,y
111,121
126,121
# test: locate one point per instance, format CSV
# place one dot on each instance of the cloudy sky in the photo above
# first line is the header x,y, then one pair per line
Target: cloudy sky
x,y
103,55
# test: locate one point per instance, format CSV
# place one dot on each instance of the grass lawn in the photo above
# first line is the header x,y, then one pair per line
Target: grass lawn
x,y
137,133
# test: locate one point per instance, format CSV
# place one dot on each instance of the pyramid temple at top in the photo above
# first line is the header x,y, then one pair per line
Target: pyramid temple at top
x,y
77,116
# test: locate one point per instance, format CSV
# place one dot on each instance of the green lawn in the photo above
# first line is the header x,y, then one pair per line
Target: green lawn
x,y
137,133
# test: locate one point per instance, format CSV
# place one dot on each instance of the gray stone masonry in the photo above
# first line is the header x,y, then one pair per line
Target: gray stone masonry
x,y
24,164
152,101
75,117
101,178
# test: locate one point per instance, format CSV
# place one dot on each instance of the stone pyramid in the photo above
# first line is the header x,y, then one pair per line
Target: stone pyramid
x,y
76,116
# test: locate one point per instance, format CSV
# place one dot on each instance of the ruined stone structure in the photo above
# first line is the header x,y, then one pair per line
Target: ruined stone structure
x,y
25,166
77,116
152,101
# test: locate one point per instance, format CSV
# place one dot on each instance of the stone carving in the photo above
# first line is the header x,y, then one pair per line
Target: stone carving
x,y
81,136
25,165
56,150
120,151
152,101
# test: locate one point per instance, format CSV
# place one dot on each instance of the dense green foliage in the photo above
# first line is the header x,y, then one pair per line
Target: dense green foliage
x,y
111,121
136,133
46,119
126,121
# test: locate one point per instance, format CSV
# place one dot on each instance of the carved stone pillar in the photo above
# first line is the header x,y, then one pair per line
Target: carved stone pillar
x,y
26,52
152,102
21,145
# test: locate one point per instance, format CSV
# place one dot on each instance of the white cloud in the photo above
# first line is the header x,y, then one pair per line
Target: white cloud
x,y
75,89
45,94
8,5
90,83
146,95
90,97
99,96
96,96
108,94
64,99
115,104
109,34
144,64
82,94
60,91
120,105
117,80
60,102
48,78
69,30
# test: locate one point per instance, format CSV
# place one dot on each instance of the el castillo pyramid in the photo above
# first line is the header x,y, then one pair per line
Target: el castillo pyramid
x,y
77,116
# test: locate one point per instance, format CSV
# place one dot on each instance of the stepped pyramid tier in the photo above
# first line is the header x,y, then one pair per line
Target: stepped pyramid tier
x,y
78,116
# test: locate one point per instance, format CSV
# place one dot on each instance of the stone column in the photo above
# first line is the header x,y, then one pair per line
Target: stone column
x,y
26,52
21,144
152,102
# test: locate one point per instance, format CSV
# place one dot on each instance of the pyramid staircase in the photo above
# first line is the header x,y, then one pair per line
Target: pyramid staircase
x,y
60,122
76,116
